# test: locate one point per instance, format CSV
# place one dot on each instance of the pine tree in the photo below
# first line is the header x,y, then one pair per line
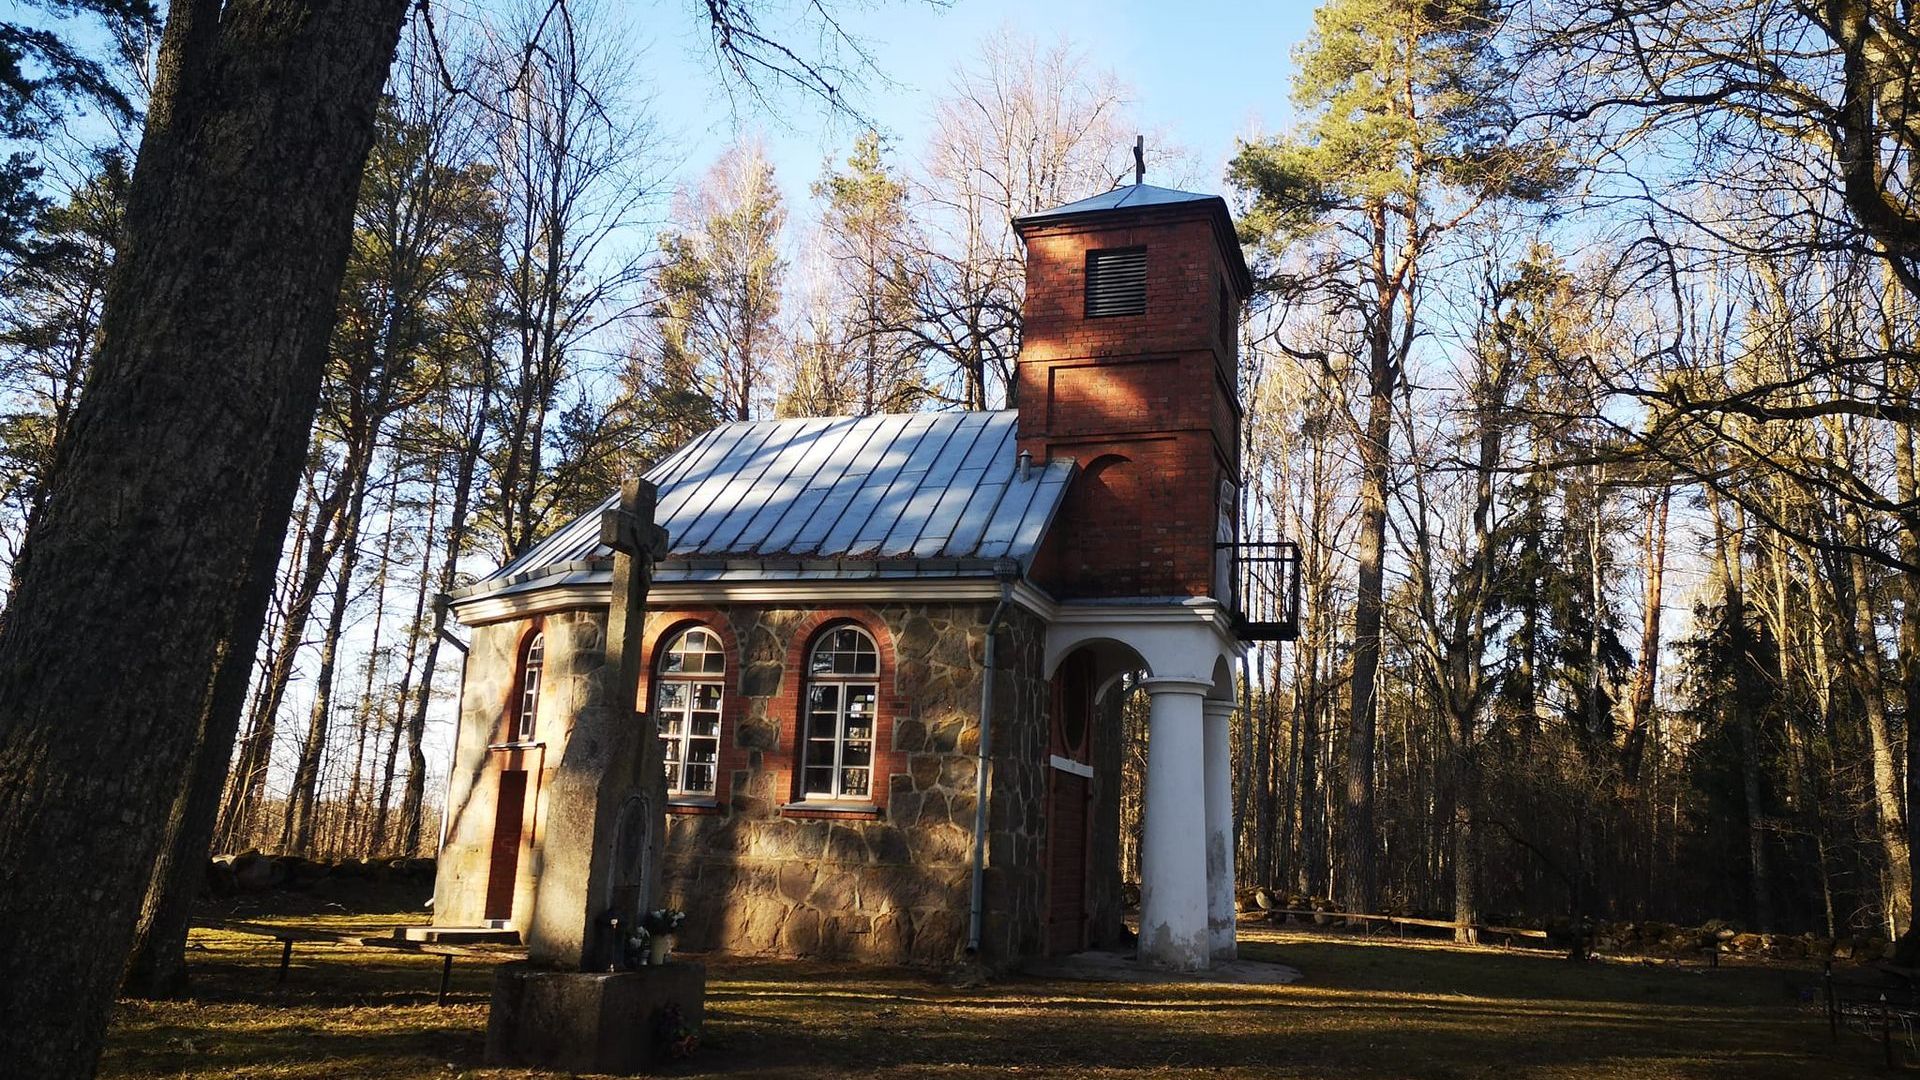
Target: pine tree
x,y
1407,135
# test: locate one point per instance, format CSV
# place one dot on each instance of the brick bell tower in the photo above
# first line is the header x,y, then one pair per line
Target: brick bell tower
x,y
1128,364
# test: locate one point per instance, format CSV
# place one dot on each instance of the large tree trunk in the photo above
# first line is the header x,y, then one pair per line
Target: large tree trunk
x,y
1358,876
1865,662
144,581
157,967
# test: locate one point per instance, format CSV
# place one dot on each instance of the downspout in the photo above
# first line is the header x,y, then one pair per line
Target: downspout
x,y
982,769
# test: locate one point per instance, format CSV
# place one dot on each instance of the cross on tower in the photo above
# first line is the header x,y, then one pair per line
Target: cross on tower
x,y
1139,159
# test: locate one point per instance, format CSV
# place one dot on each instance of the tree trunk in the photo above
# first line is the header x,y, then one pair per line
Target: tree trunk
x,y
377,836
1739,706
158,965
1358,876
1864,658
1646,675
296,834
173,488
413,799
250,772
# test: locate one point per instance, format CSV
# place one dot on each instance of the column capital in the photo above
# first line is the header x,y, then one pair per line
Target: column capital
x,y
1217,708
1177,684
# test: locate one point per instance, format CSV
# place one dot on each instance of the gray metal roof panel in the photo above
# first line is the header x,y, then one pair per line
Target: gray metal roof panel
x,y
839,492
1129,197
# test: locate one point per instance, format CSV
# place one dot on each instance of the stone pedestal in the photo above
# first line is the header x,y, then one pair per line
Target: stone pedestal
x,y
590,1022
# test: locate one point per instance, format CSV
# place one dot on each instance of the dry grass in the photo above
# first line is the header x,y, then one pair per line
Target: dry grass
x,y
1365,1009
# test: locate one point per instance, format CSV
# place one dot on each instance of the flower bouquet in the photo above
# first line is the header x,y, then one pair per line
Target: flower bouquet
x,y
660,925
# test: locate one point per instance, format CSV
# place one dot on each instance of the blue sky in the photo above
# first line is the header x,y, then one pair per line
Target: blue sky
x,y
1204,72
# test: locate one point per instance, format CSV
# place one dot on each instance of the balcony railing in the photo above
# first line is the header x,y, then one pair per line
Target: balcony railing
x,y
1266,588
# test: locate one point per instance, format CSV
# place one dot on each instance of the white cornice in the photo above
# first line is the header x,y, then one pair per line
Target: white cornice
x,y
575,595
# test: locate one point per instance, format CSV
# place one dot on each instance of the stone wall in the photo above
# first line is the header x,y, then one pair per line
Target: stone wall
x,y
759,872
484,747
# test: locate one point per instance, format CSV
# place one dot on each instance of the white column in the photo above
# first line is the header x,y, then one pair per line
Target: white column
x,y
1219,800
1173,858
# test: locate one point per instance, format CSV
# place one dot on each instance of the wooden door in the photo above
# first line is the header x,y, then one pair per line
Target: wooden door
x,y
1069,791
504,867
1067,863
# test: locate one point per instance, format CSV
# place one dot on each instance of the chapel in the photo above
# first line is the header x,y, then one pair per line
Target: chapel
x,y
885,654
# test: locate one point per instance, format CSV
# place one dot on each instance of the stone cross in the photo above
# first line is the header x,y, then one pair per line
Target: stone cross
x,y
606,810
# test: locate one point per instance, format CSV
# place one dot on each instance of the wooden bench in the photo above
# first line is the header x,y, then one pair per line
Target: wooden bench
x,y
288,936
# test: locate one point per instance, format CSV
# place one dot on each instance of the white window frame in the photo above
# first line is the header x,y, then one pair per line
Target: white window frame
x,y
681,741
843,683
533,663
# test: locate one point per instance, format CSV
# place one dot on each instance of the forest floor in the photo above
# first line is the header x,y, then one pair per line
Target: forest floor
x,y
1366,1008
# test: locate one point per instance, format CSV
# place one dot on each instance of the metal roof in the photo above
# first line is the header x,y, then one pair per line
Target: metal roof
x,y
1146,197
1130,197
895,495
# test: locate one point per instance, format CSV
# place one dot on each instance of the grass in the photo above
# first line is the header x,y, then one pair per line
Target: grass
x,y
1376,1008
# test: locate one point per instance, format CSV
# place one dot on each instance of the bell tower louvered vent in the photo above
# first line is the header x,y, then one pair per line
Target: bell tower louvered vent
x,y
1117,282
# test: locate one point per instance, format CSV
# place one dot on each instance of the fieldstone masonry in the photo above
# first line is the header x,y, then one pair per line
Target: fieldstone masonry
x,y
759,873
763,875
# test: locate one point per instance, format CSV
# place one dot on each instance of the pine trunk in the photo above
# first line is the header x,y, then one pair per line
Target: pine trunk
x,y
1358,877
174,487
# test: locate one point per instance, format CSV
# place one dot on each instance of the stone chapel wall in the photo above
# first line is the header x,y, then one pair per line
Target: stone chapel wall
x,y
757,871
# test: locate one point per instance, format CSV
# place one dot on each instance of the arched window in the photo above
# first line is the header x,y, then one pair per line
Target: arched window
x,y
686,697
527,707
843,695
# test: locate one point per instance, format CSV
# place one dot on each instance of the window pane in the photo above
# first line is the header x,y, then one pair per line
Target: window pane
x,y
706,696
670,749
819,779
856,754
700,778
705,724
673,777
853,783
821,698
673,695
674,663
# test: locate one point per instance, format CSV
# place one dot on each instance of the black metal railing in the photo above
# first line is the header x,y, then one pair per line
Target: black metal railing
x,y
1265,588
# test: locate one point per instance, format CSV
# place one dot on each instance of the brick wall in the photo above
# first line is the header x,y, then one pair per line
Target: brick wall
x,y
1145,403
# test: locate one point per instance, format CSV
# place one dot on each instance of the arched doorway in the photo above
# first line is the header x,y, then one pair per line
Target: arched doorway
x,y
1082,797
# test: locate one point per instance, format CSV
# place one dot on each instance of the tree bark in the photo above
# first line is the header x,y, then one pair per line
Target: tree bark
x,y
1358,877
174,487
